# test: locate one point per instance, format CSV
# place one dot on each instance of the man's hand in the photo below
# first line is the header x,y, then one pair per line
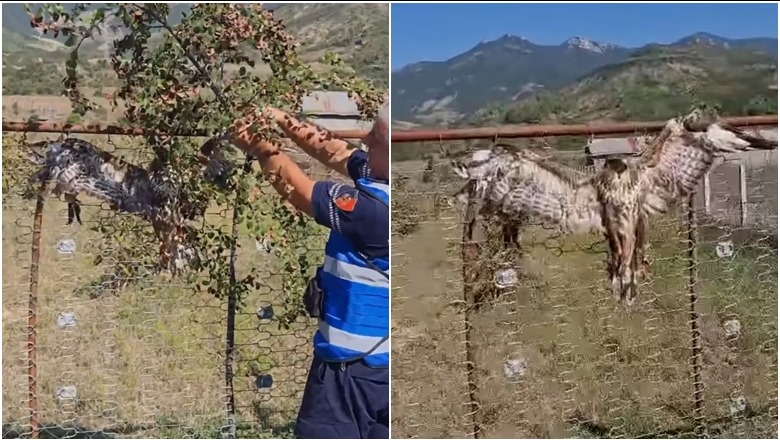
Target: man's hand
x,y
282,172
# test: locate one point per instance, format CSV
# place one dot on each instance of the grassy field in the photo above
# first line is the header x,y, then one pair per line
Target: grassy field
x,y
148,361
592,368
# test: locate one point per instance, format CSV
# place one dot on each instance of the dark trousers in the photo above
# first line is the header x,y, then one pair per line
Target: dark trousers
x,y
345,401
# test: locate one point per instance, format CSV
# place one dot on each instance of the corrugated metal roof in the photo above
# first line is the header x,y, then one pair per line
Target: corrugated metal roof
x,y
611,146
330,103
334,111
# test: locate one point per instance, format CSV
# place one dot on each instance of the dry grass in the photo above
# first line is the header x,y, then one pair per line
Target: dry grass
x,y
148,361
622,373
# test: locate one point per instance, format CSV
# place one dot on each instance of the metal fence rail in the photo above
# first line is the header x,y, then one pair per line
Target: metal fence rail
x,y
53,127
534,130
148,360
554,355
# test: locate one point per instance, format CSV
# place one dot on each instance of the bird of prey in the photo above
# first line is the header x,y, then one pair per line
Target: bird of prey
x,y
77,167
617,201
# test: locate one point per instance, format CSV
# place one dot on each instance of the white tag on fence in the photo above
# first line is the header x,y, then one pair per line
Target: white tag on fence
x,y
724,249
67,392
265,312
738,405
505,278
66,319
515,368
733,328
66,246
263,245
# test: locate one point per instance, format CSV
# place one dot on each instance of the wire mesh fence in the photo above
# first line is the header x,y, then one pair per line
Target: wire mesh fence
x,y
493,341
145,355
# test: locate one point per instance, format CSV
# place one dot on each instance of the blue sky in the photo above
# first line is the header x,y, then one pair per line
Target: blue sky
x,y
436,32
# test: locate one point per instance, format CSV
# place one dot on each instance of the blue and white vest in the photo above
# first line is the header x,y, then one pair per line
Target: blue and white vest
x,y
356,304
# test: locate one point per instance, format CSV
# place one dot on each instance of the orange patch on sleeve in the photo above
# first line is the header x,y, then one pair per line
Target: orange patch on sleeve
x,y
345,202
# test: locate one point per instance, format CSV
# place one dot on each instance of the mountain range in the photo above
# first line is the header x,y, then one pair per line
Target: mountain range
x,y
512,79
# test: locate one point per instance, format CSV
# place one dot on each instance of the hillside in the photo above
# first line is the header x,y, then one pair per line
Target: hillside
x,y
513,72
657,83
358,32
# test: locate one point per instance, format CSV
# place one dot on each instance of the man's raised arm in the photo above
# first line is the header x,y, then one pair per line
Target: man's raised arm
x,y
285,175
316,141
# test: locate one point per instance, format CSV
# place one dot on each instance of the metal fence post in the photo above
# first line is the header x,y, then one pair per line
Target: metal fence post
x,y
32,318
743,208
698,386
232,306
707,194
470,258
230,349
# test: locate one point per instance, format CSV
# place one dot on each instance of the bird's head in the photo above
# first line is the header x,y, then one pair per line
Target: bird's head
x,y
481,168
39,152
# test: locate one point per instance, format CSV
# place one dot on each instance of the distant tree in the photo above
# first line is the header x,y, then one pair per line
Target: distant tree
x,y
760,105
73,119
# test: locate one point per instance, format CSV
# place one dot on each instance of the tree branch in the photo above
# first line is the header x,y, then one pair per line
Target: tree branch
x,y
201,70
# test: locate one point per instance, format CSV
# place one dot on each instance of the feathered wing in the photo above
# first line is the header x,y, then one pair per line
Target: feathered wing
x,y
727,138
553,193
524,184
79,167
678,159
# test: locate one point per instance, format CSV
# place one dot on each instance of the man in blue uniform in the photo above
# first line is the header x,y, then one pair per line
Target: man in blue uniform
x,y
347,390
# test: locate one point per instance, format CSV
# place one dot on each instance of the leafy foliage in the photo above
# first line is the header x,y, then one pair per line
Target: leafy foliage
x,y
200,77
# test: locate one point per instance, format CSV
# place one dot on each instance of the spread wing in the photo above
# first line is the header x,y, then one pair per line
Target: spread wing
x,y
736,139
102,189
553,193
524,184
76,167
678,158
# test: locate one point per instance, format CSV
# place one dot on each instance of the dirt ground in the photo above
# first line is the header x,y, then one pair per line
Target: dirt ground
x,y
588,367
56,108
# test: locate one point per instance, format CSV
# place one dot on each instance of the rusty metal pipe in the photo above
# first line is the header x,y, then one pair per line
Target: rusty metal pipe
x,y
527,131
32,316
53,127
